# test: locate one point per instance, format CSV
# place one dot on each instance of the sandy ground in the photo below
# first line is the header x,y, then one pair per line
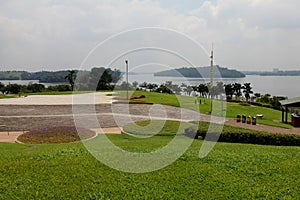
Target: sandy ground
x,y
94,98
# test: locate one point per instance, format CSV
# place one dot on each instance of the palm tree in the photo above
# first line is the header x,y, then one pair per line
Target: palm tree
x,y
247,90
237,90
71,77
203,89
229,90
189,90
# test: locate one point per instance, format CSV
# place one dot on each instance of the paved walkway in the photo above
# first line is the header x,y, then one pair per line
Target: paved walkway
x,y
92,98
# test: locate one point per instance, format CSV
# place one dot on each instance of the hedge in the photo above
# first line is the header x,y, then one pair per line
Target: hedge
x,y
240,135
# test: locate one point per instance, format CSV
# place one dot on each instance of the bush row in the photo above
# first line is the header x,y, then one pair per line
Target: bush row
x,y
240,135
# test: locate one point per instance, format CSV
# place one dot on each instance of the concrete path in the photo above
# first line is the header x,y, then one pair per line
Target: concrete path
x,y
9,136
92,98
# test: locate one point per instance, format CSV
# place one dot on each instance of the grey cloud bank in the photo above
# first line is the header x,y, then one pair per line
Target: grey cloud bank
x,y
52,35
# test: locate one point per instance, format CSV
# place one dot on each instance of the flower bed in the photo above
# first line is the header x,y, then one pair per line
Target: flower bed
x,y
57,134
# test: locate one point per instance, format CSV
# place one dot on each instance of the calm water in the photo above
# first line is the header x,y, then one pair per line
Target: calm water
x,y
275,85
26,82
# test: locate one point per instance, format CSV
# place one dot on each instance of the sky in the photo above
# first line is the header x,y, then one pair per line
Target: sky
x,y
52,35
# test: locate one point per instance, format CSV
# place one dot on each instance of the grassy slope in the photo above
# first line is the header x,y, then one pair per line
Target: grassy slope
x,y
232,109
157,127
229,171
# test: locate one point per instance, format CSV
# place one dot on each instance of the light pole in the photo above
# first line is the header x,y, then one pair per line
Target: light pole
x,y
211,75
126,61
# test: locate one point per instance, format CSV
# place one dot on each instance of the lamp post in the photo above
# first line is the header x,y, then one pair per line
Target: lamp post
x,y
211,75
126,61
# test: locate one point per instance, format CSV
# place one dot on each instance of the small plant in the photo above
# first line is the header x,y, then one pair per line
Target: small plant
x,y
241,135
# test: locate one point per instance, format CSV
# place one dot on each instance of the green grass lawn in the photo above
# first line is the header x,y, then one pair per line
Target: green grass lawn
x,y
8,96
157,127
230,171
271,116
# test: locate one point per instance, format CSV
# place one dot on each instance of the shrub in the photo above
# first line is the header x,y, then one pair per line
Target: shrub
x,y
240,135
191,132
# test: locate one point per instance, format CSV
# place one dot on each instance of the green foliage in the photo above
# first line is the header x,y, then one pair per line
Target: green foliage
x,y
201,72
247,90
241,135
10,75
14,88
2,88
232,109
164,89
157,127
100,78
35,87
54,76
71,77
230,171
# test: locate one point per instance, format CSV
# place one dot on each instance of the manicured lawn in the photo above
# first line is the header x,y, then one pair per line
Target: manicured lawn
x,y
230,171
157,127
8,96
269,114
271,117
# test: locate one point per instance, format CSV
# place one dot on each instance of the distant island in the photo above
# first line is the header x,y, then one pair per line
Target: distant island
x,y
42,76
46,76
201,72
275,72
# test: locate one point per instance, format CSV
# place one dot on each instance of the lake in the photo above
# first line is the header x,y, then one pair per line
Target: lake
x,y
275,85
26,82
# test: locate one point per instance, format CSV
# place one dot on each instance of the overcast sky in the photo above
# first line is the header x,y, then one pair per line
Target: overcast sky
x,y
59,34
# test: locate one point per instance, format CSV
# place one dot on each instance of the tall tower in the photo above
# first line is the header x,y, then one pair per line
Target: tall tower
x,y
212,66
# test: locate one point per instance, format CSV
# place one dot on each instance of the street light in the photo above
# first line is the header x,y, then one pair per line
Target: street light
x,y
126,61
211,75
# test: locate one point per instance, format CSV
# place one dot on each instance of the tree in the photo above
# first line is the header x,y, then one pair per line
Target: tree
x,y
151,86
237,90
116,75
13,88
164,89
264,98
2,88
229,90
247,90
203,90
36,87
71,77
176,89
188,90
135,84
100,79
